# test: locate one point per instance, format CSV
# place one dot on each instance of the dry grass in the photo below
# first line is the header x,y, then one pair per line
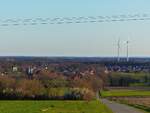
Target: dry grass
x,y
142,103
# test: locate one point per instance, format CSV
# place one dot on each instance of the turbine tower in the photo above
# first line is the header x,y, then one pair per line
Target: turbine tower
x,y
118,54
127,50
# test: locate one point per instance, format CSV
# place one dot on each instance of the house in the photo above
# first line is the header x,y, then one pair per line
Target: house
x,y
14,68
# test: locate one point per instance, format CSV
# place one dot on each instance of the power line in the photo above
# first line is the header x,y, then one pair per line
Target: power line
x,y
74,20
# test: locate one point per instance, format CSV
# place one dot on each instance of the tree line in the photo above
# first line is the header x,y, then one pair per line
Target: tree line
x,y
53,86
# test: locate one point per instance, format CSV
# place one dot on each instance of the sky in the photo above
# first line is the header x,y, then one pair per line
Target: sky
x,y
90,39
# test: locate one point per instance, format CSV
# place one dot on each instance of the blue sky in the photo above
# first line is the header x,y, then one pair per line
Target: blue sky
x,y
92,39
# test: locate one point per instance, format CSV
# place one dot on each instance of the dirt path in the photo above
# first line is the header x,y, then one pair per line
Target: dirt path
x,y
120,108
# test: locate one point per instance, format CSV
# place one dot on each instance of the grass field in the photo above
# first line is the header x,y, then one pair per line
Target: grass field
x,y
142,103
52,107
124,93
136,98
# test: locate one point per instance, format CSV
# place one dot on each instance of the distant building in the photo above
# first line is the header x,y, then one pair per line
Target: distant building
x,y
14,68
46,68
30,72
2,74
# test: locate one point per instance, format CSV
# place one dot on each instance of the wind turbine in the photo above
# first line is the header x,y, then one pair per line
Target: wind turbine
x,y
118,54
127,42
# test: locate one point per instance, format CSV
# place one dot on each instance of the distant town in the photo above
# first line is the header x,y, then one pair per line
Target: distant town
x,y
70,65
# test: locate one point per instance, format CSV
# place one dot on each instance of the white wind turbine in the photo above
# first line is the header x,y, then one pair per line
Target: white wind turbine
x,y
127,50
119,46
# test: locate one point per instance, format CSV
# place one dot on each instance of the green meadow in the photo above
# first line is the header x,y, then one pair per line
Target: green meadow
x,y
124,93
53,107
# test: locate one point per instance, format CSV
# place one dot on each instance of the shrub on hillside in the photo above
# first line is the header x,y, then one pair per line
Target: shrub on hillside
x,y
7,83
30,88
55,82
79,94
56,93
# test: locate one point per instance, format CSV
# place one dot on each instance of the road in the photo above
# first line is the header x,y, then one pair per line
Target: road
x,y
119,108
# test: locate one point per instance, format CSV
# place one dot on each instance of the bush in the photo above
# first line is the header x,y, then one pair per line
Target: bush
x,y
55,82
7,83
79,94
56,93
30,88
88,95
